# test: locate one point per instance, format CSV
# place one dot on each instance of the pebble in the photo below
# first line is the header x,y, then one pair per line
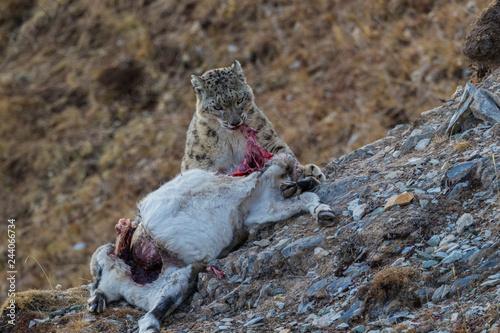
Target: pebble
x,y
359,212
319,252
434,240
441,292
359,329
452,257
318,289
434,190
447,239
415,161
342,327
253,321
327,319
302,244
490,283
399,200
429,263
422,144
263,242
465,221
282,243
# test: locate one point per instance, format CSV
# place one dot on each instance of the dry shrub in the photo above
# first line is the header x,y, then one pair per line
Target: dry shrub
x,y
461,146
392,283
39,304
351,247
482,43
47,300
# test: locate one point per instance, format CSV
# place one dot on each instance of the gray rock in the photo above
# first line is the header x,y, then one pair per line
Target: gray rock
x,y
342,327
318,289
359,329
447,239
425,294
338,285
280,305
460,284
352,313
253,321
434,240
418,139
422,144
359,212
398,129
327,319
465,221
415,161
391,320
434,190
277,291
441,292
305,307
377,212
490,283
452,257
57,313
457,191
463,109
460,172
489,264
356,269
263,242
76,307
303,244
429,263
484,107
394,174
424,255
282,243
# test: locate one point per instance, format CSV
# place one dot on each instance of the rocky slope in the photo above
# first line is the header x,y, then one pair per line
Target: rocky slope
x,y
415,248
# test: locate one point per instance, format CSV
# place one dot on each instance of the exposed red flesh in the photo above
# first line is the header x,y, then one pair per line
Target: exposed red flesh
x,y
219,273
124,232
256,156
140,254
145,254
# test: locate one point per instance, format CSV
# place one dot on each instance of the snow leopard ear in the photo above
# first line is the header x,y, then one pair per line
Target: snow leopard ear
x,y
197,83
236,67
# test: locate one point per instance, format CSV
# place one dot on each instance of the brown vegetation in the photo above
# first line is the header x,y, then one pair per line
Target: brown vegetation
x,y
95,97
482,43
393,283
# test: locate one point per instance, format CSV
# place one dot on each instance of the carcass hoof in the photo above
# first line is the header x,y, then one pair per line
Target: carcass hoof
x,y
288,189
326,218
97,303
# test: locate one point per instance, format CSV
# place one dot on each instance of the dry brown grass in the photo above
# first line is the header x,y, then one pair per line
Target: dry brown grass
x,y
47,300
95,97
392,283
461,146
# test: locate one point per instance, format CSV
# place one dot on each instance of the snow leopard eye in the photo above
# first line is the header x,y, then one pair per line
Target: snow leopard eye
x,y
217,107
240,100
